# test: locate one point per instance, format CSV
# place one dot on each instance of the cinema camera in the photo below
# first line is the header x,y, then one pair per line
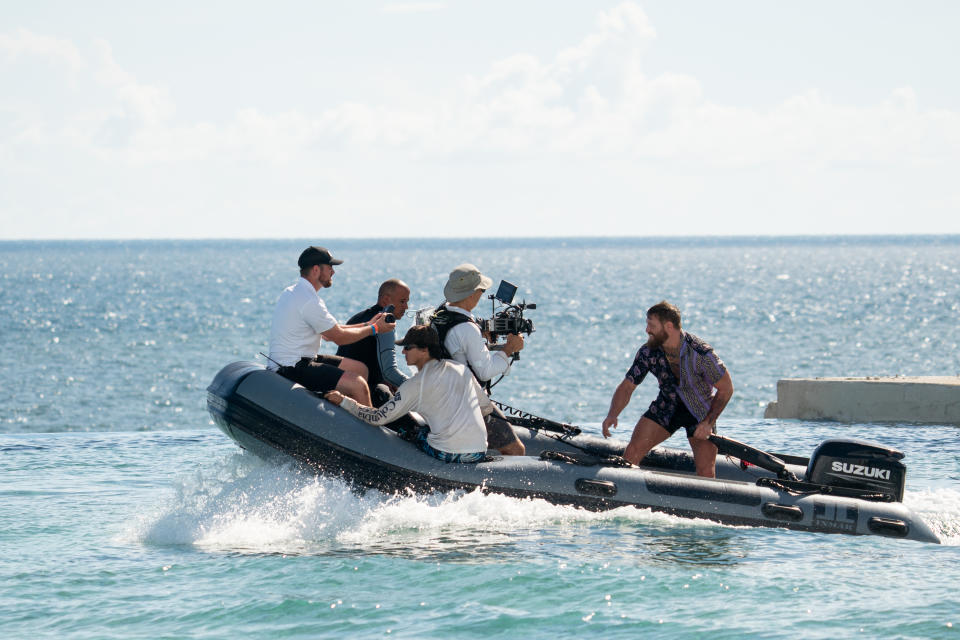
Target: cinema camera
x,y
508,319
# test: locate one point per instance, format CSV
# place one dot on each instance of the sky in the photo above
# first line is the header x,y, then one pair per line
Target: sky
x,y
323,119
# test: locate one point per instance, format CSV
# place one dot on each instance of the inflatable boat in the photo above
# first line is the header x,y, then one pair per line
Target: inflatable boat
x,y
846,486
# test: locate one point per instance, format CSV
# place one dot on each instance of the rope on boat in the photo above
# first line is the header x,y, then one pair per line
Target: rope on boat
x,y
526,419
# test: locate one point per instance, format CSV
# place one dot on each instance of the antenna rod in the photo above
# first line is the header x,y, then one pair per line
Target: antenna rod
x,y
271,359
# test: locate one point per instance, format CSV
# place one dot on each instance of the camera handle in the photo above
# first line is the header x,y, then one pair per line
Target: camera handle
x,y
388,312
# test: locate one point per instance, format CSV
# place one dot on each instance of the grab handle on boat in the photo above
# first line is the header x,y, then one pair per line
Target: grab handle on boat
x,y
888,526
596,487
776,511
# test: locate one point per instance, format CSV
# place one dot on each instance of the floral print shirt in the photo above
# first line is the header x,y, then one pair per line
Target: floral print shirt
x,y
700,370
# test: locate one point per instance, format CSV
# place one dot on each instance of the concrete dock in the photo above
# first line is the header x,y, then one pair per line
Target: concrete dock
x,y
925,399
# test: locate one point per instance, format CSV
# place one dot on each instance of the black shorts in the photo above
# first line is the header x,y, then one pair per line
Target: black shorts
x,y
320,374
499,431
681,418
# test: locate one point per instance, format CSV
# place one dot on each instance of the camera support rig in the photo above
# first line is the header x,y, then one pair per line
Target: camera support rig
x,y
509,319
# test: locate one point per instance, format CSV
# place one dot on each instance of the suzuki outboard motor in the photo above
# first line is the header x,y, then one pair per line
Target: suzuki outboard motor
x,y
855,464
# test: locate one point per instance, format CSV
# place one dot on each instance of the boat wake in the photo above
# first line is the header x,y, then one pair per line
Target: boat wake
x,y
940,508
242,504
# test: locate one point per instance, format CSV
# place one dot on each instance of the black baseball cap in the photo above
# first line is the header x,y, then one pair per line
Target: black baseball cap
x,y
422,336
316,255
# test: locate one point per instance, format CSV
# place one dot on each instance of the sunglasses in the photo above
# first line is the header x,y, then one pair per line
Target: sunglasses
x,y
407,347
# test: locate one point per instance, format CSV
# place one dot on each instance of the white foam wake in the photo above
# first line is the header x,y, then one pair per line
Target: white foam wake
x,y
940,508
243,504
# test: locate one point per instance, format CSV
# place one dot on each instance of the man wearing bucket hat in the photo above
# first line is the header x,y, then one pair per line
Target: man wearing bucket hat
x,y
461,338
444,392
301,321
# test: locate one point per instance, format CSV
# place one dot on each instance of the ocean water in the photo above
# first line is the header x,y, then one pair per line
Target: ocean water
x,y
124,513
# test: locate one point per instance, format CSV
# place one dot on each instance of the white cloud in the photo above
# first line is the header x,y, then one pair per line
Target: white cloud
x,y
144,103
624,27
590,98
24,43
588,113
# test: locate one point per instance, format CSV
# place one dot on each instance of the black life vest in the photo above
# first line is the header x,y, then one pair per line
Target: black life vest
x,y
365,350
442,321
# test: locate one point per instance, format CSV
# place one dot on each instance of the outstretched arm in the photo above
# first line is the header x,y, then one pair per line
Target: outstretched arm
x,y
342,334
402,402
621,398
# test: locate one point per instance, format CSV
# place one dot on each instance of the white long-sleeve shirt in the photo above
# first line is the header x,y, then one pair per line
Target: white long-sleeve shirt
x,y
447,395
467,346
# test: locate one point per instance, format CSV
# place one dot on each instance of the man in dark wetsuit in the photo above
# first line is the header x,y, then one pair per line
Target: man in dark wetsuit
x,y
688,372
378,352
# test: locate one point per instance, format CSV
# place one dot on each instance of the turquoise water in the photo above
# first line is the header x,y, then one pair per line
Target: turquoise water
x,y
125,513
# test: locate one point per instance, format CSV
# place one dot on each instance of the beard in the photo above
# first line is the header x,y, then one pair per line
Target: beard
x,y
656,340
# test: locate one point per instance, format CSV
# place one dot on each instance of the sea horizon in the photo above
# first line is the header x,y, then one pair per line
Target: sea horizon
x,y
496,241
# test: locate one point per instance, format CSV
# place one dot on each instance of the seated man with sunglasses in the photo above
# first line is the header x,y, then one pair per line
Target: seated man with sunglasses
x,y
444,392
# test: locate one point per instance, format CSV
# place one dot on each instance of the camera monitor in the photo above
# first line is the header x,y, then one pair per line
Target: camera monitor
x,y
505,292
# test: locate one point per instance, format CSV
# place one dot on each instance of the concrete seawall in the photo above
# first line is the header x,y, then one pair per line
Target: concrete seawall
x,y
931,400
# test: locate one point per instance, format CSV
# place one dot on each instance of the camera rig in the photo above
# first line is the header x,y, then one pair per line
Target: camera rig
x,y
509,317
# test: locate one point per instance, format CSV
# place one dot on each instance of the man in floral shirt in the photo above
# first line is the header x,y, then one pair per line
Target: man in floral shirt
x,y
695,386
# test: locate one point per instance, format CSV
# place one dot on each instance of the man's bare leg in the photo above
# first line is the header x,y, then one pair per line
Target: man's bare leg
x,y
500,430
646,435
355,367
704,457
350,384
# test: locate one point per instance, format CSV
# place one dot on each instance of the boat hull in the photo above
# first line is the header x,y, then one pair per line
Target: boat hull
x,y
272,417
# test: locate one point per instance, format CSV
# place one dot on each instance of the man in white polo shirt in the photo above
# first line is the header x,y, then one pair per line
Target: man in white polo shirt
x,y
301,321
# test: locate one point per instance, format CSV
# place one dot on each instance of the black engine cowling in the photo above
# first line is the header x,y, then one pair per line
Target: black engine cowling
x,y
855,464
